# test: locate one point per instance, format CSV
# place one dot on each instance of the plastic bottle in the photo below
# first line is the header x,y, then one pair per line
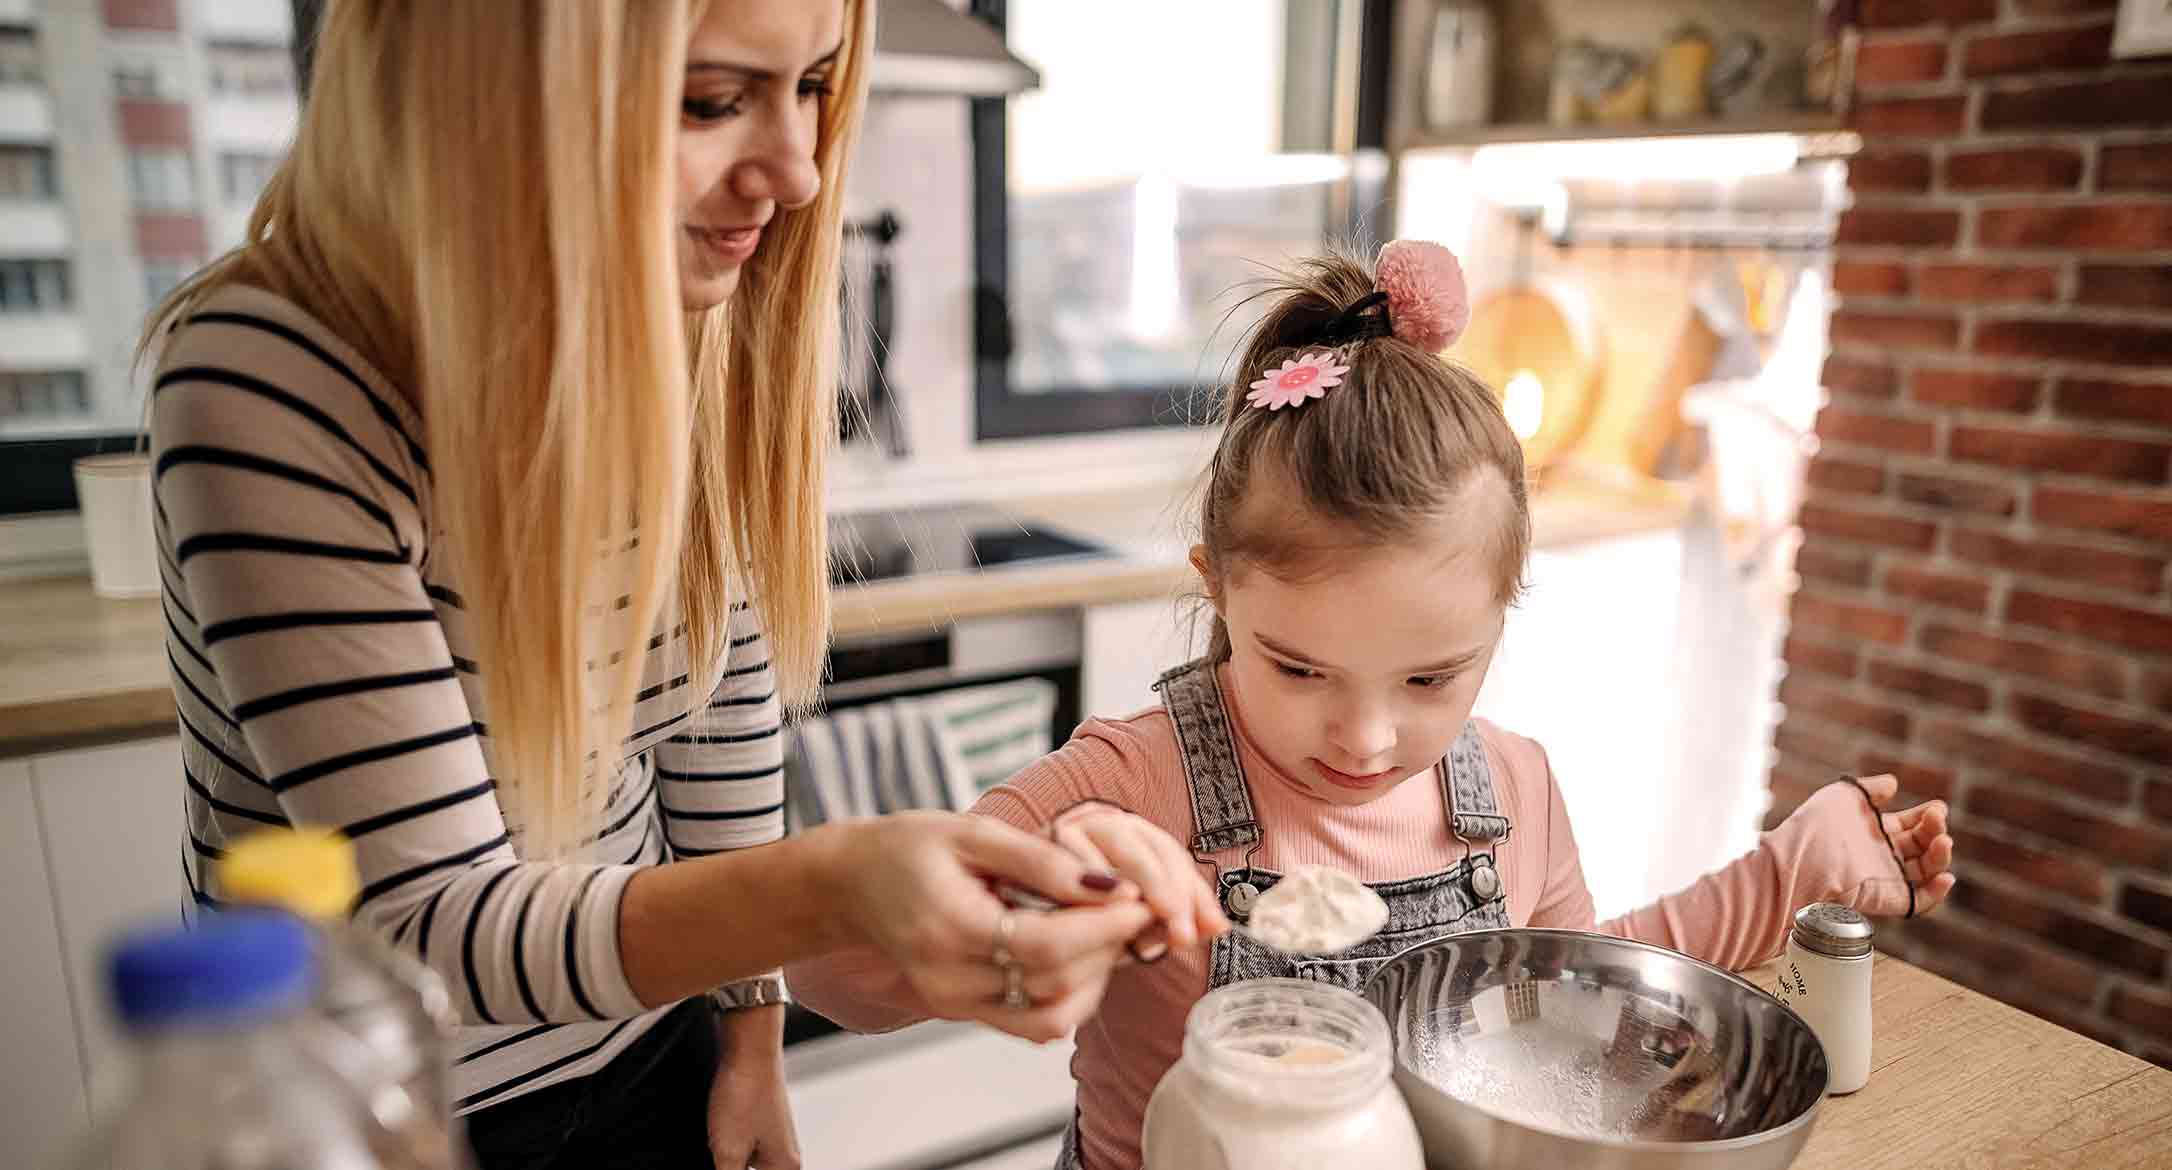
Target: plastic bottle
x,y
1825,977
232,1072
395,1008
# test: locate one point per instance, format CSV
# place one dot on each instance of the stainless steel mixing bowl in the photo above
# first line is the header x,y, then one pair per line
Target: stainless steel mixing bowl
x,y
1573,1051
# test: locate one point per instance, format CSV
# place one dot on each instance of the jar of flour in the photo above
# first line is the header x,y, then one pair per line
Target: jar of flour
x,y
1281,1074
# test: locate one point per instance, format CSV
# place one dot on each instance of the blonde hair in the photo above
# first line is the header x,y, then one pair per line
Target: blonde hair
x,y
1381,453
480,200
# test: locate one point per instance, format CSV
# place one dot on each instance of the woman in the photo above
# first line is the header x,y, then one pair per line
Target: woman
x,y
489,483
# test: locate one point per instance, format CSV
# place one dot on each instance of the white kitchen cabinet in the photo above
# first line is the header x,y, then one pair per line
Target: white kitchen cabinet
x,y
43,1106
1128,645
113,829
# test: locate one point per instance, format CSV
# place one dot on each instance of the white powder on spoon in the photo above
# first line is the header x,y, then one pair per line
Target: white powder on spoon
x,y
1317,910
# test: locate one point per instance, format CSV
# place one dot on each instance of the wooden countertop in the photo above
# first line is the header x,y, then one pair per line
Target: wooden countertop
x,y
1960,1079
78,670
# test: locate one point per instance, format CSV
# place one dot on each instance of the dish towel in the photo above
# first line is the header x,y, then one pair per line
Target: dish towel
x,y
938,751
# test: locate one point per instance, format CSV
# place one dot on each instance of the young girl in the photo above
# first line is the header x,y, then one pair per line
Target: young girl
x,y
1363,530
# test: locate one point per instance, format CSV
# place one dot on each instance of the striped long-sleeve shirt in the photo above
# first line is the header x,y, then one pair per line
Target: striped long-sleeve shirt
x,y
324,671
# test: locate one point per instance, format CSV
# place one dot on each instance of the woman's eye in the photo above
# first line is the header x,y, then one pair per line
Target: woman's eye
x,y
815,87
710,109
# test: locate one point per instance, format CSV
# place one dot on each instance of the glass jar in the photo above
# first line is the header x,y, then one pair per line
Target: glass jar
x,y
1281,1074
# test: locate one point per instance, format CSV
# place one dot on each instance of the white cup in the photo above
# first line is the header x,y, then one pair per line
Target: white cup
x,y
115,491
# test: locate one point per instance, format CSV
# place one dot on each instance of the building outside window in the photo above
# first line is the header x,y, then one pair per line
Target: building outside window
x,y
161,180
34,286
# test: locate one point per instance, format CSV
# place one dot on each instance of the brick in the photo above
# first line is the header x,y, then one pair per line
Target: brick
x,y
2125,286
1791,783
1813,752
1947,589
2140,402
1906,330
2038,51
2109,569
2149,905
1819,702
1867,527
2081,670
2108,945
1955,494
1856,621
1907,227
150,122
143,15
1817,562
2120,101
1908,13
2091,225
1930,686
1860,379
1856,278
2076,777
2026,168
1987,283
1919,780
1802,654
171,237
1881,62
1868,428
2139,166
2146,516
2147,1010
2144,739
2080,341
2116,625
2157,799
2063,7
2008,956
1932,117
1975,389
2072,452
2054,1007
1890,170
2066,871
2157,688
1831,473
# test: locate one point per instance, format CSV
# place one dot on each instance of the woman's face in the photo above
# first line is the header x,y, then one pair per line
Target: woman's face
x,y
757,74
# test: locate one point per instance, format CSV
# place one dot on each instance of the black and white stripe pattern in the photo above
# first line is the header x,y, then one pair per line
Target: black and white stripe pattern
x,y
324,674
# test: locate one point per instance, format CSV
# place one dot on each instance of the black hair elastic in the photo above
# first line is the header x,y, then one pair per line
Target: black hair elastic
x,y
1891,848
1358,321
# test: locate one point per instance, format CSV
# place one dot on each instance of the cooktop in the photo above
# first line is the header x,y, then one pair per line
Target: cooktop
x,y
884,546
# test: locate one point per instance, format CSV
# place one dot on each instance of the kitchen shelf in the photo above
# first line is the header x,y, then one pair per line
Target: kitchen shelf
x,y
1804,122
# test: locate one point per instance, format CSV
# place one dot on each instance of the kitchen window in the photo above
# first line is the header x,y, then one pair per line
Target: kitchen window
x,y
34,286
242,177
161,180
160,277
26,172
1121,207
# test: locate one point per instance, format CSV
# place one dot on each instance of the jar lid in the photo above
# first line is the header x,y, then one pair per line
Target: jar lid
x,y
1832,929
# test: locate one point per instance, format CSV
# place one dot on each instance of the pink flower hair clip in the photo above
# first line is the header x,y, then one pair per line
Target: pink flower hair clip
x,y
1303,377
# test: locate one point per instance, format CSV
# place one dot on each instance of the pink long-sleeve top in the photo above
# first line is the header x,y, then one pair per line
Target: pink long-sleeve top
x,y
1736,917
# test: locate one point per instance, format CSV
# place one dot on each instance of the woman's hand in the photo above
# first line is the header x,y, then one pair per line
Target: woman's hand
x,y
1106,837
919,887
750,1117
1918,835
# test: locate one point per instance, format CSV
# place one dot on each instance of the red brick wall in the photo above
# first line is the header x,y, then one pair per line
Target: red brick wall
x,y
148,15
1986,607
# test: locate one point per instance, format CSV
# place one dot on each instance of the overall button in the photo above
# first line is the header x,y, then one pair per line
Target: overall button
x,y
1485,882
1240,898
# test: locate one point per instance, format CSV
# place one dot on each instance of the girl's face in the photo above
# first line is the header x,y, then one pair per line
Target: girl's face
x,y
1358,678
757,74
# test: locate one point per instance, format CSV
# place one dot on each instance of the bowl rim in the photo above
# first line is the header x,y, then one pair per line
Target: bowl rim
x,y
1715,1145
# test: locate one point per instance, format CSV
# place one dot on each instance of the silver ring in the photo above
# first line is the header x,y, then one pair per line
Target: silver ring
x,y
1006,928
1014,988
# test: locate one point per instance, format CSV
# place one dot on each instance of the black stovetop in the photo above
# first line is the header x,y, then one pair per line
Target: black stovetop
x,y
884,546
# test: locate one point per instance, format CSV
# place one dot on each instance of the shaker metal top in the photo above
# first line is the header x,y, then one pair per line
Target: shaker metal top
x,y
1832,929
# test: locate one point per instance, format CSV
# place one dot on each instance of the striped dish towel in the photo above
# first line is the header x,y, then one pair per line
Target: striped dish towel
x,y
938,751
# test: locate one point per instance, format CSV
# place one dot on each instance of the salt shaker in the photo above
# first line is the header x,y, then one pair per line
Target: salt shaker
x,y
1825,978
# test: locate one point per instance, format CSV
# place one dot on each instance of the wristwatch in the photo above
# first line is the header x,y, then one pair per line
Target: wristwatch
x,y
760,991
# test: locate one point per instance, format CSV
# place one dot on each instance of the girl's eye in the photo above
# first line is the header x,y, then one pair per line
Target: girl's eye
x,y
1432,682
709,109
815,87
1289,671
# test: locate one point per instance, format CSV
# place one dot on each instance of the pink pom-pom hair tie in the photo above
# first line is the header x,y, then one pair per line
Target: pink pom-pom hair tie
x,y
1428,302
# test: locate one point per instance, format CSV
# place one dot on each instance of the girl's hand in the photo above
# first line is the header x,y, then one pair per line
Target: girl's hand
x,y
1919,837
919,888
1106,837
750,1117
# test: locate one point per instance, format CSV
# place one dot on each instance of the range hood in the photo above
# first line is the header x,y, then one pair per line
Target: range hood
x,y
928,47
